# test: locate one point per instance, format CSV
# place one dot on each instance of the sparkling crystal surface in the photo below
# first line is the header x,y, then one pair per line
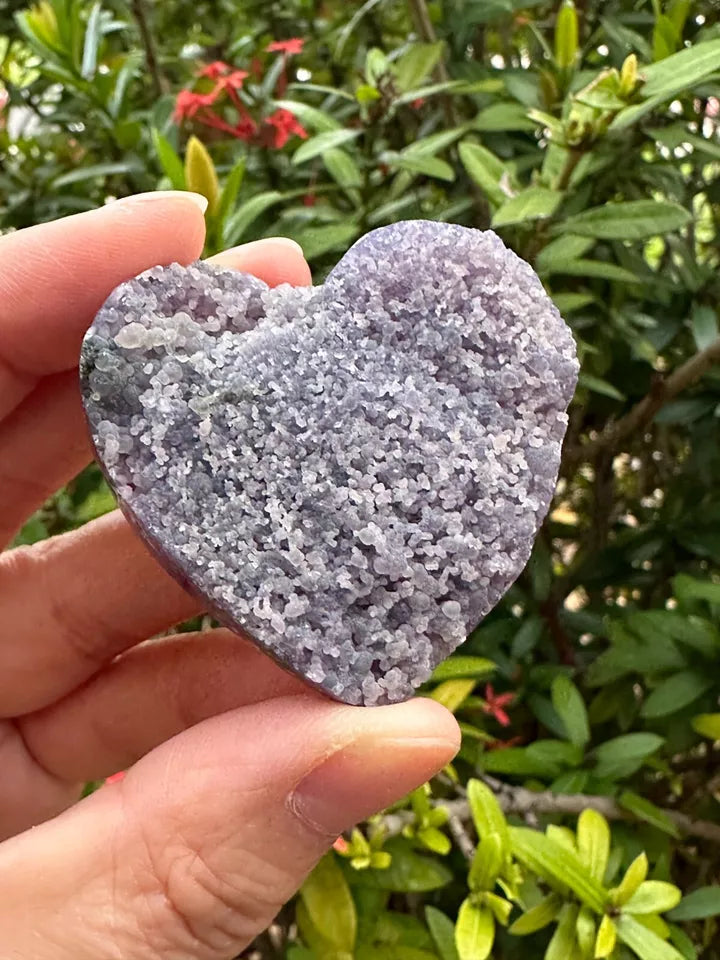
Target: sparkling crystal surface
x,y
353,474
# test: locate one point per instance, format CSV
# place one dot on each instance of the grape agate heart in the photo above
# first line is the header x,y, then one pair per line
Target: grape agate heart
x,y
352,474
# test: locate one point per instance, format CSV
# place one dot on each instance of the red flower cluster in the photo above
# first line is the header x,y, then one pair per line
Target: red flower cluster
x,y
495,704
205,107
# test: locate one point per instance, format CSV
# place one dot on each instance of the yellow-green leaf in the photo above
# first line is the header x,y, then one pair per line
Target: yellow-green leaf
x,y
563,943
538,916
566,36
585,933
474,931
200,174
606,938
634,876
487,815
533,203
453,693
487,862
653,896
329,903
646,944
557,865
707,724
500,907
593,840
463,666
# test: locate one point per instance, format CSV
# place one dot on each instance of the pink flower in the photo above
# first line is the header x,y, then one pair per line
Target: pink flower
x,y
115,778
341,845
286,125
288,47
495,703
233,80
218,68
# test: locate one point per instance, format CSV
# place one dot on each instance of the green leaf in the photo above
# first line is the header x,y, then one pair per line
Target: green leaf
x,y
557,865
513,760
593,841
569,302
566,36
653,896
411,872
533,203
570,707
645,810
321,142
690,588
704,324
682,71
634,876
434,143
538,917
474,931
316,241
485,169
634,220
419,163
93,36
598,385
675,693
200,173
487,863
646,944
442,930
707,724
419,60
230,190
99,170
169,160
453,693
599,269
330,905
463,666
563,944
310,117
503,117
701,903
555,255
343,168
239,222
586,933
606,938
487,815
624,755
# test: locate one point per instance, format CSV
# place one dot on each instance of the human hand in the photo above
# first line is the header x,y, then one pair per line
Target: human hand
x,y
241,776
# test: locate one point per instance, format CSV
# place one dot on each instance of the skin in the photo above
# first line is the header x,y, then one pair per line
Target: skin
x,y
241,777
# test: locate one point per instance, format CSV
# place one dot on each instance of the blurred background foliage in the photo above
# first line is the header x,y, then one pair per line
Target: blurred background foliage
x,y
587,136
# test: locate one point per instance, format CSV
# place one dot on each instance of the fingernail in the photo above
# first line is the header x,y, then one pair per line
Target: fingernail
x,y
161,195
286,242
370,774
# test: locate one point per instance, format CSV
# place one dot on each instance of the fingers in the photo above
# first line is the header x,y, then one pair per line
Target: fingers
x,y
70,604
196,850
54,277
275,260
43,444
147,696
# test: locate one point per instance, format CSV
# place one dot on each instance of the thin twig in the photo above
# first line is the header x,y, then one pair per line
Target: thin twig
x,y
461,837
527,803
160,81
662,390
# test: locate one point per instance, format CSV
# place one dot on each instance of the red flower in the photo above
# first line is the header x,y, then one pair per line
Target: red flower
x,y
245,129
286,125
188,103
419,102
233,80
309,200
4,98
115,778
494,704
289,47
217,68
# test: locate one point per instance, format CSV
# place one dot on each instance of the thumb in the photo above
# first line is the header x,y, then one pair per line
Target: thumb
x,y
194,852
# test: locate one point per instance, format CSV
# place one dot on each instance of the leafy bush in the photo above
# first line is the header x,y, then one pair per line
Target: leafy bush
x,y
589,139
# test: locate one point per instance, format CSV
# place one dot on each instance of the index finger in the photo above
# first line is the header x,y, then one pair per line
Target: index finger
x,y
55,276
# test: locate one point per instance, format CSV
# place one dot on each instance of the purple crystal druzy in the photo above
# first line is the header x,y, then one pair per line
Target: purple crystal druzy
x,y
353,474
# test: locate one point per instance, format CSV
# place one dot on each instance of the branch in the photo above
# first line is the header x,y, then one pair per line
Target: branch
x,y
527,803
160,81
661,391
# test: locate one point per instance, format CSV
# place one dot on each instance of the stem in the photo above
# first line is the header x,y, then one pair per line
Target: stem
x,y
661,391
529,804
160,81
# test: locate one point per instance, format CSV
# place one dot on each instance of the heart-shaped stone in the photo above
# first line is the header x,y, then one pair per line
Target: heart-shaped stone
x,y
354,473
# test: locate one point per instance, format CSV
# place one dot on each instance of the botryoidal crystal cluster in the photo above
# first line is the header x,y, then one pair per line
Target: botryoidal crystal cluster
x,y
352,474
